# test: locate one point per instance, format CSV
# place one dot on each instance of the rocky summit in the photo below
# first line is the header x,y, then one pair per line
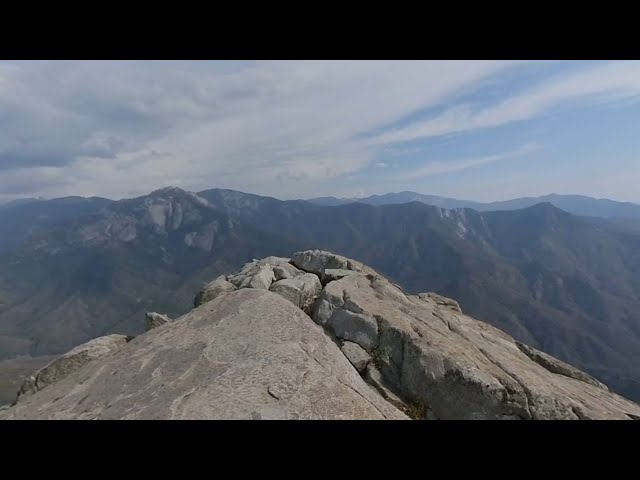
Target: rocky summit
x,y
317,336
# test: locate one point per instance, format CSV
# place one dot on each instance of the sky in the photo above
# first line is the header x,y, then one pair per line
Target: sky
x,y
475,130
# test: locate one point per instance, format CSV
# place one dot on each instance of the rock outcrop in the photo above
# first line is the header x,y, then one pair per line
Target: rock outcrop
x,y
249,354
213,290
322,336
301,290
71,361
153,320
357,355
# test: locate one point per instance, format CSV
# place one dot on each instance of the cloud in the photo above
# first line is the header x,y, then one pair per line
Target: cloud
x,y
114,128
608,82
253,124
438,168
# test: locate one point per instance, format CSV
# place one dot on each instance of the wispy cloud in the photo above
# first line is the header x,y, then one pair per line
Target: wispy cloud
x,y
254,125
608,82
279,128
438,168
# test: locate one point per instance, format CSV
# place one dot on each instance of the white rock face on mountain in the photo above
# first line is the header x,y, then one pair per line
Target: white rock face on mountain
x,y
162,212
364,350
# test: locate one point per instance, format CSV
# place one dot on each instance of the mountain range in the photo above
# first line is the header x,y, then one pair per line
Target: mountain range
x,y
576,204
75,269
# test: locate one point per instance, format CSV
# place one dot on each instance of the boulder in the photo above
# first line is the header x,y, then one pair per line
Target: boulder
x,y
254,275
153,320
213,290
71,362
331,274
319,261
302,290
286,270
356,327
358,356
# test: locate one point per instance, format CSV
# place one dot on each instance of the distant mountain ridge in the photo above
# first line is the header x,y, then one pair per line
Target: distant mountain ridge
x,y
23,219
19,201
575,204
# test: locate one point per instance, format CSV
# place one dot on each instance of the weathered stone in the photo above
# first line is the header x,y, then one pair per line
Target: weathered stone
x,y
374,378
255,276
459,367
249,354
71,362
274,261
442,301
319,261
301,290
556,366
358,357
324,306
213,290
356,327
331,274
252,354
153,320
282,272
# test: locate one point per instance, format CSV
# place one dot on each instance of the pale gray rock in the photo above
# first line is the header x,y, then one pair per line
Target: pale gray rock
x,y
331,274
273,261
262,273
213,290
282,267
282,272
319,261
302,290
373,376
557,366
153,320
254,275
441,301
358,357
454,365
249,354
356,327
324,306
70,362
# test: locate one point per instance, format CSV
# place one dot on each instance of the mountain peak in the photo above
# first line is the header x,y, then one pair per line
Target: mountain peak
x,y
168,191
367,349
171,193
